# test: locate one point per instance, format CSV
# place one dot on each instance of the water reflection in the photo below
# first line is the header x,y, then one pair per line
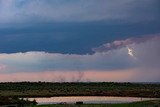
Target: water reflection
x,y
89,99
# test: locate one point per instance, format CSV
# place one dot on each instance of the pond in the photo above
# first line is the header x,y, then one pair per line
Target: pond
x,y
89,99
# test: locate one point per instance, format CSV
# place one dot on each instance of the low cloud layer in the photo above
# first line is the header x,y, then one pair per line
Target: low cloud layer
x,y
145,63
41,61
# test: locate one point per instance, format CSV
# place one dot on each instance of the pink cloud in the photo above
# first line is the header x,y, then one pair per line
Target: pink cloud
x,y
3,67
69,76
123,43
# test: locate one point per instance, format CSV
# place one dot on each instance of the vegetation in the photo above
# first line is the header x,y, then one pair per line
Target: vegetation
x,y
48,89
135,104
16,101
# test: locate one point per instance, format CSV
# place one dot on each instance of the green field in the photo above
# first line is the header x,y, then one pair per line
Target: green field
x,y
136,104
48,89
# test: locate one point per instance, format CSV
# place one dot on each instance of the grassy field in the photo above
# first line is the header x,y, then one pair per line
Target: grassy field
x,y
135,104
48,89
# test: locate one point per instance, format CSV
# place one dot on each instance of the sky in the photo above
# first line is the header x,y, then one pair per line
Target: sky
x,y
80,40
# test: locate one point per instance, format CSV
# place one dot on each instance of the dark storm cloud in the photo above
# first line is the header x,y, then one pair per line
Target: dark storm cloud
x,y
81,10
73,27
75,38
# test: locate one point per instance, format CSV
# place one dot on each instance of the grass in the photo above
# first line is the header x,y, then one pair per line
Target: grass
x,y
48,89
134,104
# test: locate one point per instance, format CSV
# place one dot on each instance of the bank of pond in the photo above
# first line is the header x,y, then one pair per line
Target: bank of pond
x,y
90,100
16,102
73,100
134,104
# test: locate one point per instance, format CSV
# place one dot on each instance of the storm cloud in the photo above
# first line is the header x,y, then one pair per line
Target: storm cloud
x,y
73,27
116,60
82,10
79,40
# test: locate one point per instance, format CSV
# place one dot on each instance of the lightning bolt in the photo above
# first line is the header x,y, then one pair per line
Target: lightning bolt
x,y
131,53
